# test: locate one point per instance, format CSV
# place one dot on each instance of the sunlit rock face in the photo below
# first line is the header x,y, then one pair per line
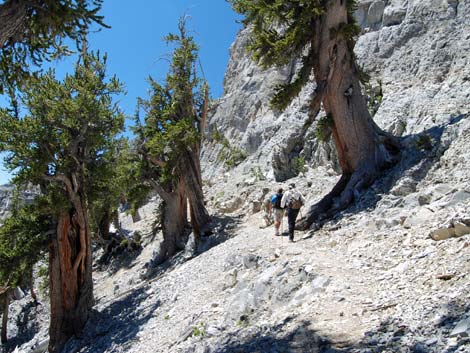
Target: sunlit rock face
x,y
416,54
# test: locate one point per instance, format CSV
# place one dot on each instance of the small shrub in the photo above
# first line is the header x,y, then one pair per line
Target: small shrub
x,y
199,330
216,135
298,164
124,243
373,97
257,173
243,321
231,156
43,275
323,129
424,142
137,237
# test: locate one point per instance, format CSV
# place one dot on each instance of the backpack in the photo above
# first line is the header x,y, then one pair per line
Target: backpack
x,y
276,200
296,203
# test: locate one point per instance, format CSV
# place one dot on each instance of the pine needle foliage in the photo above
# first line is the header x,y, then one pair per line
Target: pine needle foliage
x,y
283,30
23,241
34,31
67,130
173,111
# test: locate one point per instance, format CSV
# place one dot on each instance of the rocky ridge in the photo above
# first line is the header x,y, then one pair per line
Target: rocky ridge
x,y
415,53
389,274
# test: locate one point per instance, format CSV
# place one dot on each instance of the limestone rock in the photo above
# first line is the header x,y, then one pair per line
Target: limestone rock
x,y
442,233
455,227
395,12
418,218
374,15
462,328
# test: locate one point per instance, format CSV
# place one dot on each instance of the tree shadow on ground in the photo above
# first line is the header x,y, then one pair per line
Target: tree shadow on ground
x,y
222,226
394,335
279,338
223,229
419,154
391,335
117,325
27,324
120,259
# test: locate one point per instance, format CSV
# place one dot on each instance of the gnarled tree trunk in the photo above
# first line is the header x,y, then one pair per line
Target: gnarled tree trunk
x,y
6,306
31,286
174,221
71,285
104,224
191,173
363,149
13,21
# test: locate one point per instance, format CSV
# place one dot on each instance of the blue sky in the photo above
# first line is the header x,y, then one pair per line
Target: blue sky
x,y
136,50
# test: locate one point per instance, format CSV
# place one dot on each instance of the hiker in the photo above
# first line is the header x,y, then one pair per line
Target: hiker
x,y
267,213
278,212
293,200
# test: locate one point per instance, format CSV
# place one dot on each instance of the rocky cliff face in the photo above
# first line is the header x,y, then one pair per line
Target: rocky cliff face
x,y
416,53
6,198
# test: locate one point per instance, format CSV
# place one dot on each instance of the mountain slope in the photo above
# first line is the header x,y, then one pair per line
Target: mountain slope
x,y
372,279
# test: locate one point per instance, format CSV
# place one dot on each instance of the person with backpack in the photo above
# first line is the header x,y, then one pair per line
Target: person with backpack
x,y
267,215
278,212
293,200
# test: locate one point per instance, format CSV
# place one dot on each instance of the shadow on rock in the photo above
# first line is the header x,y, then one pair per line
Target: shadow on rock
x,y
116,325
448,332
222,226
27,324
420,153
119,259
280,338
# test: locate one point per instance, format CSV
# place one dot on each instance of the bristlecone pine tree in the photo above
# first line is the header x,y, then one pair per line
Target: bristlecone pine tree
x,y
23,241
169,143
109,193
32,31
62,144
322,33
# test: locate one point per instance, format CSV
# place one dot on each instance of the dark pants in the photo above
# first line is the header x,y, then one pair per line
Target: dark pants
x,y
291,217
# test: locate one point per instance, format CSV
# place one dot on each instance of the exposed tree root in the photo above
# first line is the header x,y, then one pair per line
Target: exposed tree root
x,y
349,188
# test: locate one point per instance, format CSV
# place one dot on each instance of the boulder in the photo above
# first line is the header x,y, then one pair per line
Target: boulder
x,y
455,227
442,233
374,15
395,13
462,328
255,206
461,228
420,217
231,205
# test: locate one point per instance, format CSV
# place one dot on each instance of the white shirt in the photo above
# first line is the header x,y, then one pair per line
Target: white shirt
x,y
290,195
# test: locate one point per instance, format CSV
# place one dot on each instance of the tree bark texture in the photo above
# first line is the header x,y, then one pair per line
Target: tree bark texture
x,y
174,221
191,173
6,306
71,285
105,223
363,149
31,286
13,18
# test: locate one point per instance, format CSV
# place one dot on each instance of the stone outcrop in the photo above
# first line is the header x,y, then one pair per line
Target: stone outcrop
x,y
416,53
